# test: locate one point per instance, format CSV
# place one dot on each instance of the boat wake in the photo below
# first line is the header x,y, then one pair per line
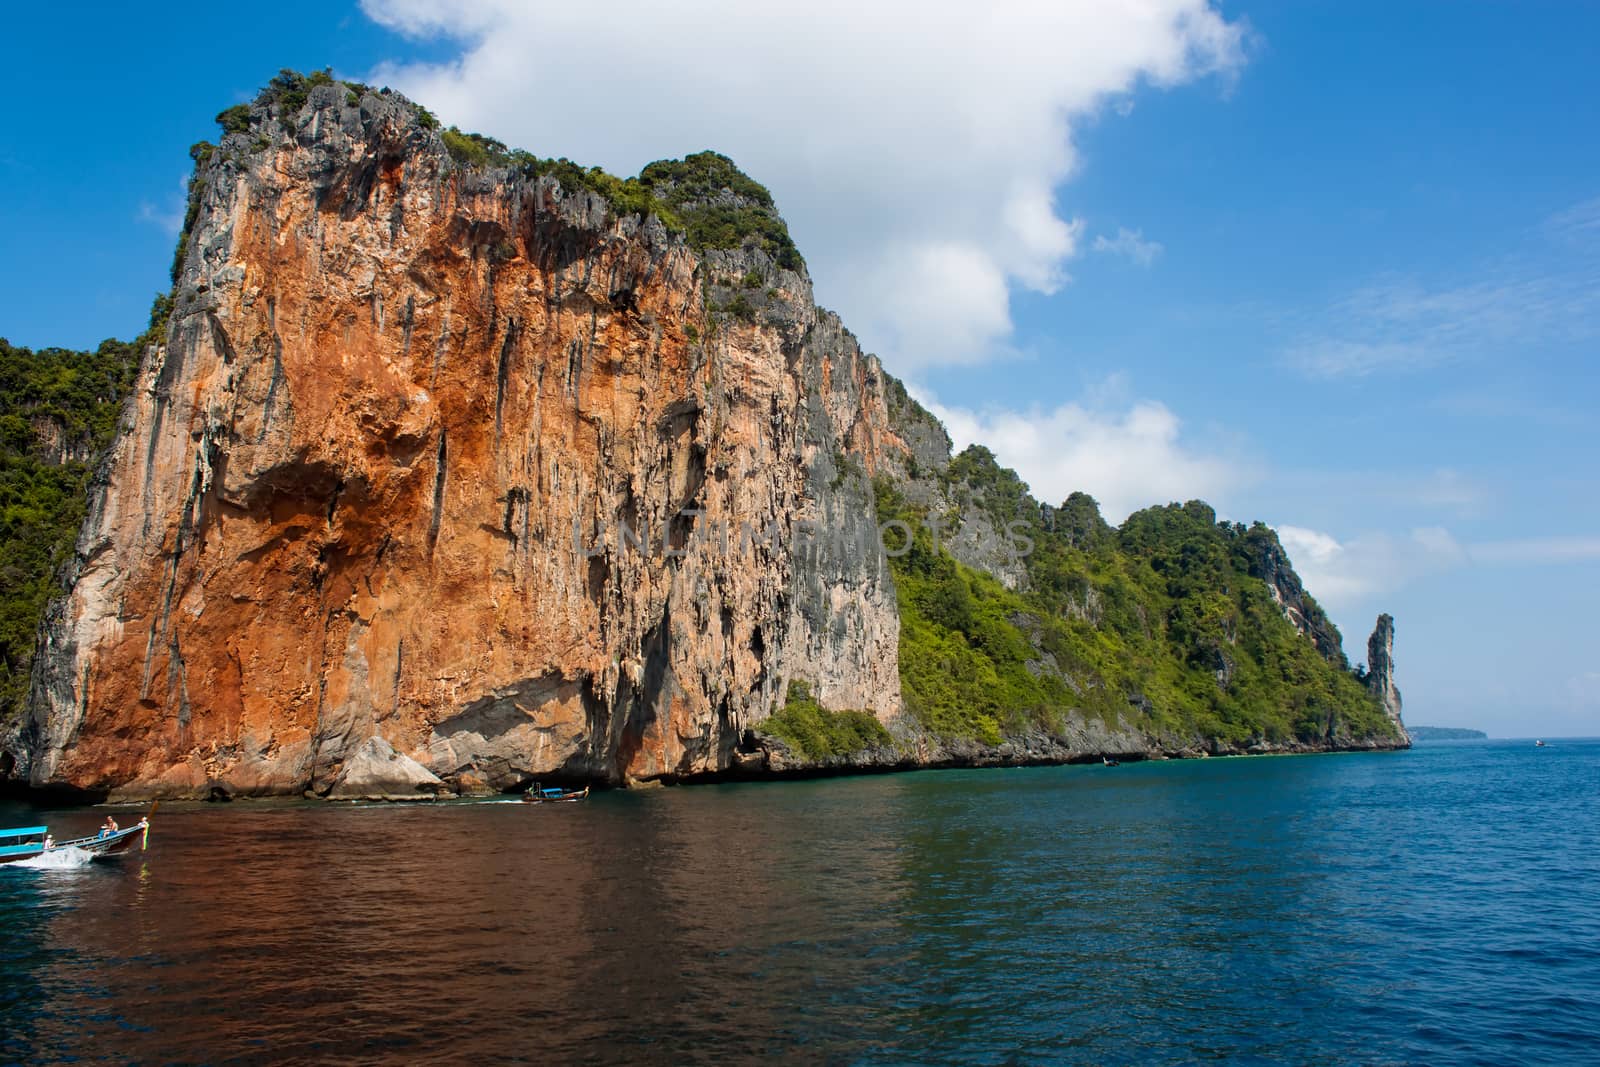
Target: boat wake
x,y
57,859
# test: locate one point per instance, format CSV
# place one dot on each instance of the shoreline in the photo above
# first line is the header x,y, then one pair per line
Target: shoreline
x,y
869,762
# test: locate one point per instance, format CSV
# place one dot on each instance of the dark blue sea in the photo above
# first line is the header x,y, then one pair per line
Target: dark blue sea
x,y
1435,906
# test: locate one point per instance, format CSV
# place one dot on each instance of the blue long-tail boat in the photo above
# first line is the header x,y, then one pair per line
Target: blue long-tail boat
x,y
26,842
554,794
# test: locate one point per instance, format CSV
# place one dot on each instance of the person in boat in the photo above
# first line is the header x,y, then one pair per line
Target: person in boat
x,y
109,828
49,842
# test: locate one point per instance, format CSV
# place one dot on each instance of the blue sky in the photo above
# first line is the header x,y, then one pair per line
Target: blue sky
x,y
1331,265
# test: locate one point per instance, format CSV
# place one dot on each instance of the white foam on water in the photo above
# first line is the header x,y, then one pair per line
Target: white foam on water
x,y
57,859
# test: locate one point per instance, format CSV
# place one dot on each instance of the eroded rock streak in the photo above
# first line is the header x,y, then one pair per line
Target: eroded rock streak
x,y
460,460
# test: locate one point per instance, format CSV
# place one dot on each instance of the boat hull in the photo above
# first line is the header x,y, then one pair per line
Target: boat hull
x,y
113,844
13,857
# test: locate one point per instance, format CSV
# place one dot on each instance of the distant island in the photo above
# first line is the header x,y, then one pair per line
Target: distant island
x,y
1444,733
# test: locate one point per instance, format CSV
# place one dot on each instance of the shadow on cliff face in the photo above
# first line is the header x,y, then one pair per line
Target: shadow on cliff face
x,y
640,705
493,716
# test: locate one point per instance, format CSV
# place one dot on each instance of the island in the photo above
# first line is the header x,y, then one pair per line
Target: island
x,y
1445,733
446,468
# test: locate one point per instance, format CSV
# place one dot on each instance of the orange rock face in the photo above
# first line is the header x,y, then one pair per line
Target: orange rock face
x,y
463,461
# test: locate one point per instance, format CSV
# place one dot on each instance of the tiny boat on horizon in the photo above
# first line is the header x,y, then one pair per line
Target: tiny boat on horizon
x,y
554,794
1540,744
27,842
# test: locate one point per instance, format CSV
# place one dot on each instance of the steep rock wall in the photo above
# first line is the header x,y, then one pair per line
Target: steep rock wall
x,y
1380,670
461,460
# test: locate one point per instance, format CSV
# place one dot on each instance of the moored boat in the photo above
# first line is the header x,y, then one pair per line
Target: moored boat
x,y
554,794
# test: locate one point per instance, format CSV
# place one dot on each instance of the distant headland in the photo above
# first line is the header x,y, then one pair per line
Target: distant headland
x,y
1444,733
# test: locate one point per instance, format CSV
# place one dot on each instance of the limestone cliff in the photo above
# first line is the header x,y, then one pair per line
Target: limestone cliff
x,y
452,468
467,460
1380,670
1032,633
1270,563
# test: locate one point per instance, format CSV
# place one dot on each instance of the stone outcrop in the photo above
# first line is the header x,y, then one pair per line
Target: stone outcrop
x,y
1270,563
56,444
1380,670
375,771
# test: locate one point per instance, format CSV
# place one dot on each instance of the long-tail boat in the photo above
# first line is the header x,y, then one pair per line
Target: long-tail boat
x,y
22,843
26,842
554,794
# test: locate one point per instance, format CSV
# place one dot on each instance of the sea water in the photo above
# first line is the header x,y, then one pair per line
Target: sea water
x,y
1432,906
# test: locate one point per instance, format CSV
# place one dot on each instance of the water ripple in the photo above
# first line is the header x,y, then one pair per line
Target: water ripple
x,y
1432,906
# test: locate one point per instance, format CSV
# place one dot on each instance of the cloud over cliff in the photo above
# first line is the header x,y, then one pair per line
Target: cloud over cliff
x,y
915,149
1125,454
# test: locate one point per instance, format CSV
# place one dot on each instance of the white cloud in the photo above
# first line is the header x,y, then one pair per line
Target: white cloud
x,y
1508,397
1125,457
1538,550
915,149
1309,548
170,218
1541,295
1329,357
1346,573
1447,489
1130,244
1579,223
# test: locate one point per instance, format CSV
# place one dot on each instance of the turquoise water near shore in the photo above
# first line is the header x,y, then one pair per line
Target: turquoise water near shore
x,y
1430,906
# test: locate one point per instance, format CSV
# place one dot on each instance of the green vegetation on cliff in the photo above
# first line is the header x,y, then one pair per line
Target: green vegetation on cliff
x,y
720,206
1158,625
627,196
58,414
704,196
817,733
963,658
